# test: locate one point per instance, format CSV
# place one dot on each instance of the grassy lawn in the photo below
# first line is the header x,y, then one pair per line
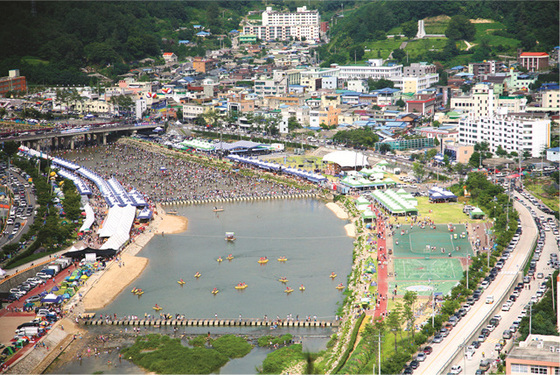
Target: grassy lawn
x,y
384,46
436,25
34,60
537,191
442,213
418,47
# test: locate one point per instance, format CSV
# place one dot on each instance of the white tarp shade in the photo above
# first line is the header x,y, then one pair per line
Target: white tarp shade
x,y
347,159
90,218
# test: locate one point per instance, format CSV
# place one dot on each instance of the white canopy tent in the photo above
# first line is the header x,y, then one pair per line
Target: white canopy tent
x,y
347,159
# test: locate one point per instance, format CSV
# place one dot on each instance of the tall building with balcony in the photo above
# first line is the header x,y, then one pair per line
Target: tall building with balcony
x,y
302,24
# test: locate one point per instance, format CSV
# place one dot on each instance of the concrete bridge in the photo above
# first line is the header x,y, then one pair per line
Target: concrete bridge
x,y
90,134
209,323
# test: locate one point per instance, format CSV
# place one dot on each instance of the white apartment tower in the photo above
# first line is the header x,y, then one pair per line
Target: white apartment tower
x,y
303,23
514,132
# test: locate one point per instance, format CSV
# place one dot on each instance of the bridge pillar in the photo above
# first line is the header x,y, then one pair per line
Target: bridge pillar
x,y
71,143
104,138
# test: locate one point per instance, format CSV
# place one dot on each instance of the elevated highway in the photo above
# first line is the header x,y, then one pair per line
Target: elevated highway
x,y
67,138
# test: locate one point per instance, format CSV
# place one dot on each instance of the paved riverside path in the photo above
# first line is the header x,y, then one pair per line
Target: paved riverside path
x,y
444,352
382,283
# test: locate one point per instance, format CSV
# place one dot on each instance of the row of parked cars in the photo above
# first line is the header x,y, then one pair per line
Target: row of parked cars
x,y
40,278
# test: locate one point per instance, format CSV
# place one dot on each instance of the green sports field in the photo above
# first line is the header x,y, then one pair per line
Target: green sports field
x,y
428,269
417,242
420,268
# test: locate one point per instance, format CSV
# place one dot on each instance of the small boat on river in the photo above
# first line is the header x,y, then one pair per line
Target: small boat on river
x,y
283,280
282,259
333,275
288,290
157,308
181,282
219,259
229,257
241,286
302,288
263,260
216,209
215,291
230,236
197,275
340,286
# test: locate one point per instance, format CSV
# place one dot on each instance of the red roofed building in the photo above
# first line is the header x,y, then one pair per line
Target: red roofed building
x,y
425,107
533,60
169,57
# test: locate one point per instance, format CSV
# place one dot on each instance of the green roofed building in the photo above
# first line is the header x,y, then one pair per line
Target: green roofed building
x,y
395,203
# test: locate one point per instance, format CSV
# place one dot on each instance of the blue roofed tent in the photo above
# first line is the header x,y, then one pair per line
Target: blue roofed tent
x,y
145,214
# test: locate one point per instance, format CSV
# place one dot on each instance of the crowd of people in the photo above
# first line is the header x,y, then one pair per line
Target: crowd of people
x,y
166,179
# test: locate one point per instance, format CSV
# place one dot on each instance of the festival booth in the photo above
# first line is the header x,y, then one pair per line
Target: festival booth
x,y
394,203
439,195
80,254
476,213
310,176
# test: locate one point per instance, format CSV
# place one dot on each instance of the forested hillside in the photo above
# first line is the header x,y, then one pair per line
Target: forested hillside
x,y
530,25
55,38
49,41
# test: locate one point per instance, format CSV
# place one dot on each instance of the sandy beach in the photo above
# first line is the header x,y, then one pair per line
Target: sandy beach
x,y
350,230
113,281
171,224
338,211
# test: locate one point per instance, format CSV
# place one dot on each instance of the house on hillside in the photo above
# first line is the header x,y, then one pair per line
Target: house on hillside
x,y
169,57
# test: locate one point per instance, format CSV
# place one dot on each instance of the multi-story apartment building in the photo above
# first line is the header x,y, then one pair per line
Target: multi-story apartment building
x,y
374,70
419,69
270,87
13,82
551,100
478,102
517,132
302,24
414,84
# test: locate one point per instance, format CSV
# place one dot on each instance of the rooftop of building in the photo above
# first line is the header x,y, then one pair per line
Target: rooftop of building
x,y
539,348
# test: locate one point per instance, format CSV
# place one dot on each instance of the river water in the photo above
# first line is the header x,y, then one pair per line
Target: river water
x,y
306,232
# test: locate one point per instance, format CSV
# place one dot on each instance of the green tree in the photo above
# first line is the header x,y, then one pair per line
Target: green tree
x,y
400,103
384,148
356,53
408,312
10,148
399,54
500,151
431,153
394,324
460,27
410,28
293,123
213,118
419,171
379,84
475,160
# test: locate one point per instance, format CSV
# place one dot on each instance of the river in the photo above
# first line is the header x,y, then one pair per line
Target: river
x,y
306,232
